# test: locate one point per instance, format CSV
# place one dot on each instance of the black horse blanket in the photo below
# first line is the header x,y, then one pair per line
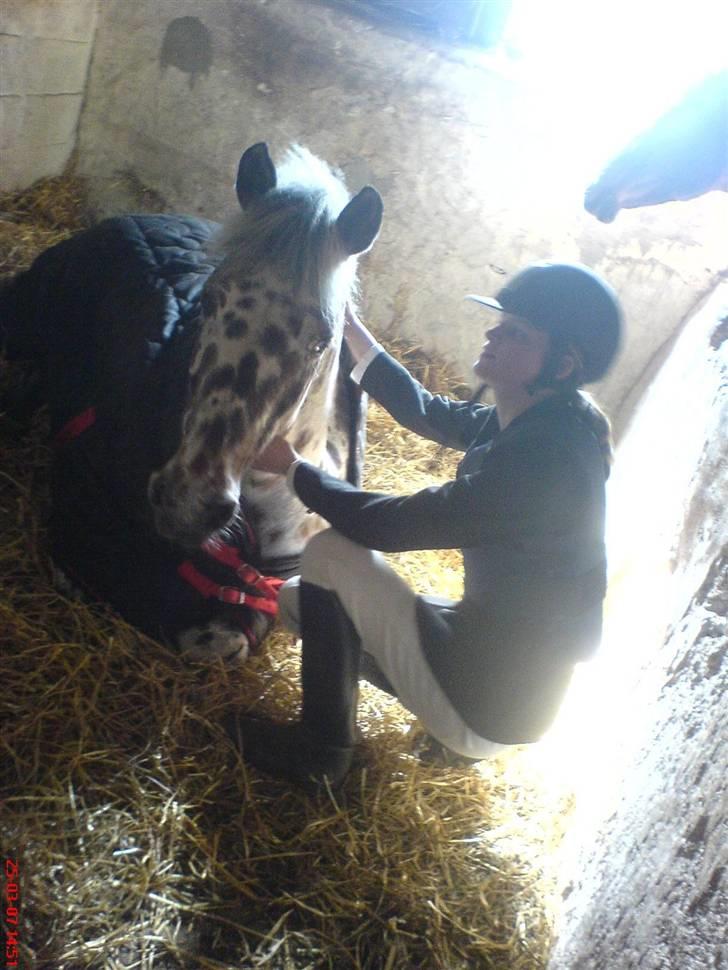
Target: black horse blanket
x,y
110,318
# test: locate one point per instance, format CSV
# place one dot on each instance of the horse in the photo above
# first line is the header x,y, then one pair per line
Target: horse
x,y
170,351
682,156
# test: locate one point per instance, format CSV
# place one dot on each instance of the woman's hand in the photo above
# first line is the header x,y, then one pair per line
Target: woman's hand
x,y
277,458
357,337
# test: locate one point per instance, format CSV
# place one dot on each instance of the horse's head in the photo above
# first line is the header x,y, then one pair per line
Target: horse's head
x,y
682,156
272,320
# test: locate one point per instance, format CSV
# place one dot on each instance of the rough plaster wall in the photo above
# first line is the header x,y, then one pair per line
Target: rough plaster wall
x,y
476,183
647,862
45,49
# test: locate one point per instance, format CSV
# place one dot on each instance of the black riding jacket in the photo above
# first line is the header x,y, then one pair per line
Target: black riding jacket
x,y
527,510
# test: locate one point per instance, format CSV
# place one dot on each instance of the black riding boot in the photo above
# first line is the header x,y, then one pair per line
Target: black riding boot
x,y
320,747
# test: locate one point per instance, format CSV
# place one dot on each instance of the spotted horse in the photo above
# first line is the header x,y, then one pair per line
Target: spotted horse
x,y
170,351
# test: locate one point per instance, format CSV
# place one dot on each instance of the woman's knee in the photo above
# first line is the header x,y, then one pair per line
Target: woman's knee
x,y
324,555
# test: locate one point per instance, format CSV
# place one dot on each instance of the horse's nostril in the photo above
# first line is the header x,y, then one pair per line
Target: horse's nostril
x,y
219,512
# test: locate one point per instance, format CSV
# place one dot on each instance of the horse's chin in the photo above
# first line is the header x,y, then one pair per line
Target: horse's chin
x,y
601,203
187,539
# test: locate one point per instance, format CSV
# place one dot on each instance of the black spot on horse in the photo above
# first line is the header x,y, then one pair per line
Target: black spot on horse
x,y
284,403
204,638
274,341
237,327
236,426
214,435
265,392
295,323
290,363
209,301
246,374
247,302
273,296
218,379
200,464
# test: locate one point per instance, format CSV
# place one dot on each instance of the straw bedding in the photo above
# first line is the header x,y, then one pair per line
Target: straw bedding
x,y
142,840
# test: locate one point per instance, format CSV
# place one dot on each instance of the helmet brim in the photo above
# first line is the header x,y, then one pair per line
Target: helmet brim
x,y
489,301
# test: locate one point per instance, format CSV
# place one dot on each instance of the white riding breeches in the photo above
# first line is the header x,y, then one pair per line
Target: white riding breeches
x,y
382,608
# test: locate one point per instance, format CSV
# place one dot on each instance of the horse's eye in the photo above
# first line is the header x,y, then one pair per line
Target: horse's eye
x,y
318,346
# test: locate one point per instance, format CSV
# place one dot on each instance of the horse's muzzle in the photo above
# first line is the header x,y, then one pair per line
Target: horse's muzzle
x,y
188,522
190,535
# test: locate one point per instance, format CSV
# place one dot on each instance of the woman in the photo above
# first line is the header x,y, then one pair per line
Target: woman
x,y
527,510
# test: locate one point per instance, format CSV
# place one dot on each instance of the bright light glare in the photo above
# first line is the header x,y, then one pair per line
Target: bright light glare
x,y
606,70
609,713
594,76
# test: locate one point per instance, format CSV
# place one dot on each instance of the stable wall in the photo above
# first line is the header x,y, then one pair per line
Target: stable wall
x,y
476,182
645,728
45,49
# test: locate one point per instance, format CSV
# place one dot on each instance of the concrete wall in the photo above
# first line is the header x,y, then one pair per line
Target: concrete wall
x,y
645,728
476,180
45,49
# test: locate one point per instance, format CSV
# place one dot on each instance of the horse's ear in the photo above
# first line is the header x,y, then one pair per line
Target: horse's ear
x,y
256,174
359,222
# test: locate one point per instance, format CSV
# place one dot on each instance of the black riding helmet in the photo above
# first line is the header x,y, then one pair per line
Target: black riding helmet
x,y
573,305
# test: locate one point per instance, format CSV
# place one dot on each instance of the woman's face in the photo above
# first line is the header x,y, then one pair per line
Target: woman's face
x,y
513,354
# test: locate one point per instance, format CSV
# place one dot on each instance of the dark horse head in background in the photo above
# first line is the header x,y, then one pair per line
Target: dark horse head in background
x,y
683,155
